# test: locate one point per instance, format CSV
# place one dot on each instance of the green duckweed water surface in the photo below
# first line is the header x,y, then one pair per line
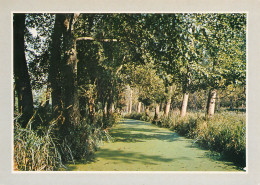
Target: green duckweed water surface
x,y
141,146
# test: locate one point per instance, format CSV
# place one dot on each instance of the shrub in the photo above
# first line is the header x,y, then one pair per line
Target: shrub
x,y
82,141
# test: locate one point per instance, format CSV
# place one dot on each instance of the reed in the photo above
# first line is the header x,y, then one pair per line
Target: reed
x,y
47,148
33,152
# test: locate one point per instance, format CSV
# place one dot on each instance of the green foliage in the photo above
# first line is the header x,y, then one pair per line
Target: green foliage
x,y
82,141
150,85
112,119
38,32
224,36
139,116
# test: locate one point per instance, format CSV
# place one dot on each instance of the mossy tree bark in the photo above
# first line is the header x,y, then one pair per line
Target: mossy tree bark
x,y
21,75
71,98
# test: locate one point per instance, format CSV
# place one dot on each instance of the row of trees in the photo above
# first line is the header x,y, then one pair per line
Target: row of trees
x,y
87,62
191,53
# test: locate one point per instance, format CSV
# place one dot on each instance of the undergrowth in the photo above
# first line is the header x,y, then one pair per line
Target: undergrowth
x,y
44,147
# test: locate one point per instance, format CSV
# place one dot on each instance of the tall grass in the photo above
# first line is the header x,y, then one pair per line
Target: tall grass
x,y
33,151
46,148
224,133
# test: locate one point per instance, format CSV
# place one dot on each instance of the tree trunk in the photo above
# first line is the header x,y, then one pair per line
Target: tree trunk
x,y
157,111
184,104
167,107
168,103
147,111
105,110
130,101
72,114
91,109
111,108
55,65
139,107
211,103
21,75
161,107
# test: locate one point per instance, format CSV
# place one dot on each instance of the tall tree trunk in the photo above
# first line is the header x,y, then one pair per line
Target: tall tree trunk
x,y
71,100
21,75
157,111
56,65
211,103
184,104
139,107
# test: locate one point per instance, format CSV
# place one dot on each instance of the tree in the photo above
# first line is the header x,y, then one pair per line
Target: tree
x,y
71,100
21,76
55,68
174,49
224,55
150,85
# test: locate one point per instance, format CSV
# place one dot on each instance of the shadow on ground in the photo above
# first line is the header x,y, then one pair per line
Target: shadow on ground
x,y
132,131
135,131
133,157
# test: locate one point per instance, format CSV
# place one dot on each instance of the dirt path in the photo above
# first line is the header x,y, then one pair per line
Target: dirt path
x,y
141,146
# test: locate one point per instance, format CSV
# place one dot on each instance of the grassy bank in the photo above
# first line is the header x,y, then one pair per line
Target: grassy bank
x,y
224,133
44,147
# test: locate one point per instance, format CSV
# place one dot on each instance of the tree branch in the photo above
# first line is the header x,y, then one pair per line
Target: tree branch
x,y
100,40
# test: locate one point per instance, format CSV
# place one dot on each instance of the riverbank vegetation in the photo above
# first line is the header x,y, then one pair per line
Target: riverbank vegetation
x,y
76,75
225,133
